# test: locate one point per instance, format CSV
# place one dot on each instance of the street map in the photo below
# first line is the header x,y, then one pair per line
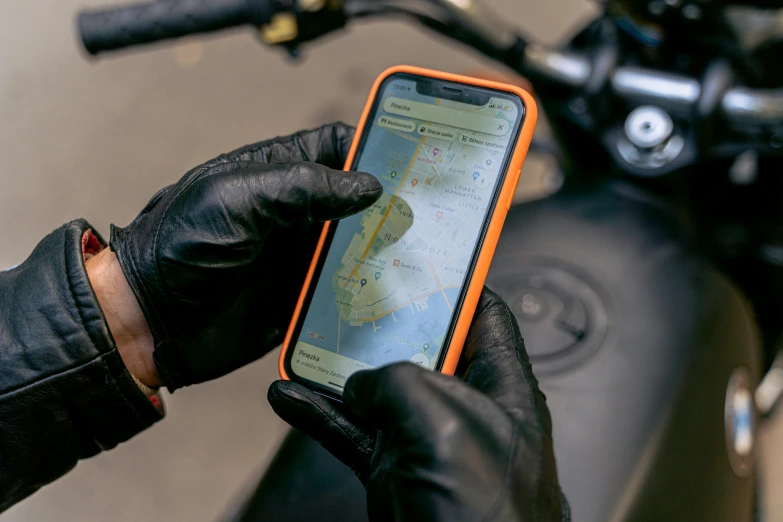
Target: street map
x,y
393,273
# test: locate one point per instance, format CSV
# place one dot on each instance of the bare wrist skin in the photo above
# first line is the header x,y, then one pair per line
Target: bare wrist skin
x,y
126,320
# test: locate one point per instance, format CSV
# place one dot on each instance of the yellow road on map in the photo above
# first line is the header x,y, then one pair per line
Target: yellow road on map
x,y
386,214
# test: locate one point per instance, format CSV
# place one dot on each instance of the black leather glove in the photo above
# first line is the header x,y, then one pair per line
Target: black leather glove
x,y
429,447
217,260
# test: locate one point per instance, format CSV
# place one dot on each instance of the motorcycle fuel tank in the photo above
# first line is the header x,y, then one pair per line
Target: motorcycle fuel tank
x,y
647,355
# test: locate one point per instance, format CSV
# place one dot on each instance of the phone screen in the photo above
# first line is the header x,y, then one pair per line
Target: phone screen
x,y
390,286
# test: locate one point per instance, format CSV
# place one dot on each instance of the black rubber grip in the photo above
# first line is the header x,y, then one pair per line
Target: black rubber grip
x,y
120,27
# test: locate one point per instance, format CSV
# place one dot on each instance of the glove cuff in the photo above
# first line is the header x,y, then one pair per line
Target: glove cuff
x,y
165,361
164,357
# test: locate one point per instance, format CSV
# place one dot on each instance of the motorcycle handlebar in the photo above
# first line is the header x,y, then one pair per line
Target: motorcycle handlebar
x,y
104,30
739,105
126,26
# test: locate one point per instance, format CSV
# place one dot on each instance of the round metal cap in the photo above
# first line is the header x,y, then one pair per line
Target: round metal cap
x,y
564,315
648,126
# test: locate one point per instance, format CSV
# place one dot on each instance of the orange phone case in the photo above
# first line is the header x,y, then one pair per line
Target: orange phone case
x,y
481,268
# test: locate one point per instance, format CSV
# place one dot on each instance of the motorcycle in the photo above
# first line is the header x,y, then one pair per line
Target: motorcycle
x,y
648,287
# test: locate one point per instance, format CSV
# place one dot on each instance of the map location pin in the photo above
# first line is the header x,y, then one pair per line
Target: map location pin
x,y
393,174
435,151
414,182
426,346
377,275
475,175
363,282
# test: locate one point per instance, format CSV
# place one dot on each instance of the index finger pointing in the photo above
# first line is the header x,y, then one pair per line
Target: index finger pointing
x,y
253,195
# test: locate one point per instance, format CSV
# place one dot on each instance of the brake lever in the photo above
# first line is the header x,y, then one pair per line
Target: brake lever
x,y
303,21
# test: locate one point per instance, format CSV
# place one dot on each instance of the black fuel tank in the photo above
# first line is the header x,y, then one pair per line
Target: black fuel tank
x,y
634,338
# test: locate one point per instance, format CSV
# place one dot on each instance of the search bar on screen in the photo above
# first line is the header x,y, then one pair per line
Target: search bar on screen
x,y
447,116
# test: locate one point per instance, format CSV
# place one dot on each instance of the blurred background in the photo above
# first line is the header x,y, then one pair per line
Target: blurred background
x,y
95,139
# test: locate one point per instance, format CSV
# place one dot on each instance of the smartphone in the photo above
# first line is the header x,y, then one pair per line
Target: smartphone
x,y
401,280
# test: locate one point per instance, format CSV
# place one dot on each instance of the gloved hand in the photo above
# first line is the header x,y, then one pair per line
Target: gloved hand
x,y
429,447
217,260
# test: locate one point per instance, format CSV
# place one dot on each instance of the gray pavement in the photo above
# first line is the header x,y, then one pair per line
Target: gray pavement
x,y
89,139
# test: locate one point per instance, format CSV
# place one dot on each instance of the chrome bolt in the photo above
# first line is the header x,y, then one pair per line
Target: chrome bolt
x,y
648,127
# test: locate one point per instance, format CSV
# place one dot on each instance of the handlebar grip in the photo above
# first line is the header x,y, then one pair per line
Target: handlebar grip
x,y
127,26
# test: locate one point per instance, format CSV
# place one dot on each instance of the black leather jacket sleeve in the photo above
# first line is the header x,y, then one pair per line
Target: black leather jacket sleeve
x,y
65,394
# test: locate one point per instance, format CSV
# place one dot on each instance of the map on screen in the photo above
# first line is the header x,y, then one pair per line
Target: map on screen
x,y
394,273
